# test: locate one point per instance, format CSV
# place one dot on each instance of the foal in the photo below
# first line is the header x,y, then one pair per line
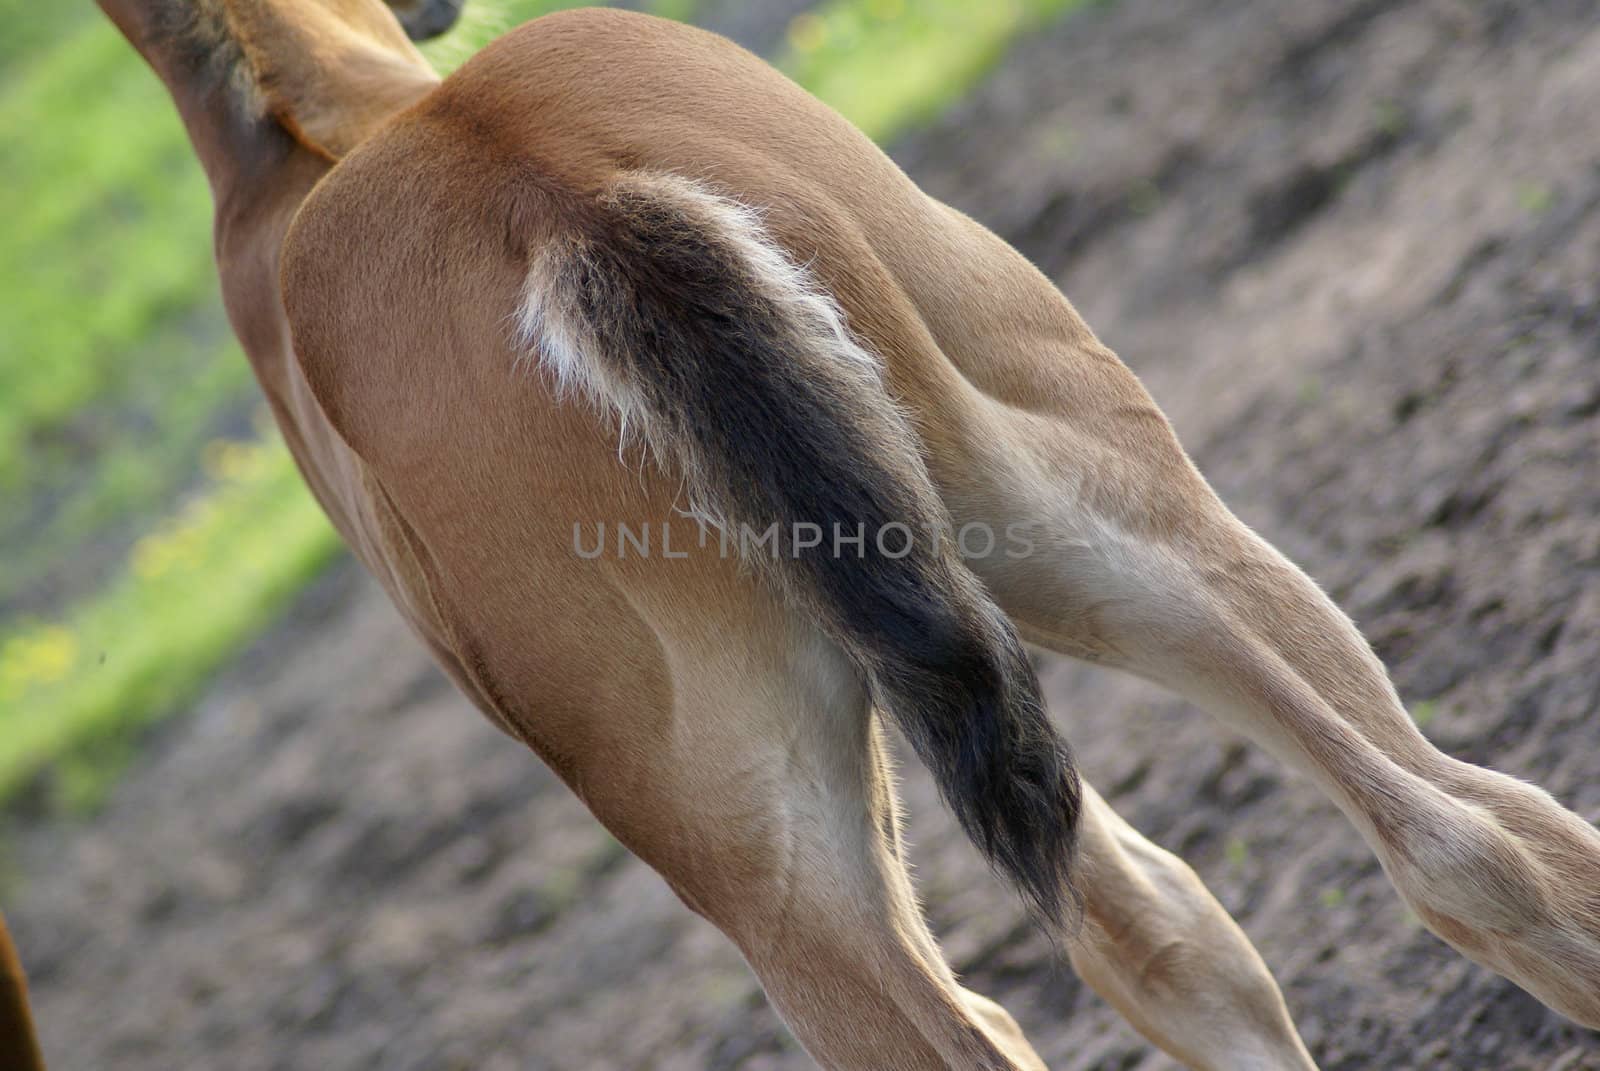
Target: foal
x,y
619,271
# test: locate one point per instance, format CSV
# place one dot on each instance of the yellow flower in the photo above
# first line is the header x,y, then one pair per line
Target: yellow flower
x,y
227,459
55,649
808,32
152,556
42,656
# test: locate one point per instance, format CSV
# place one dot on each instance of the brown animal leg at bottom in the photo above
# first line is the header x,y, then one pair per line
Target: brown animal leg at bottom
x,y
1160,949
767,804
19,1047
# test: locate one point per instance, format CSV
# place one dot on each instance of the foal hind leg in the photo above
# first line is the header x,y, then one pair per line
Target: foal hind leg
x,y
1160,949
759,790
1137,564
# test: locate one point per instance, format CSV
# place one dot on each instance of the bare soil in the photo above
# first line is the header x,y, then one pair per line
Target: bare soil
x,y
1354,250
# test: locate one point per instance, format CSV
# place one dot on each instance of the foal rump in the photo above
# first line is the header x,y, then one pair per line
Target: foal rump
x,y
671,307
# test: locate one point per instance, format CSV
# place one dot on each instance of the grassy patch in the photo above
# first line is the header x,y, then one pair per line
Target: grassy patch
x,y
891,64
144,541
112,345
30,26
112,240
195,588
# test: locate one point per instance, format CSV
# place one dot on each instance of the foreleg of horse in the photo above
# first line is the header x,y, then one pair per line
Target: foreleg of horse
x,y
19,1047
767,805
1160,949
1155,575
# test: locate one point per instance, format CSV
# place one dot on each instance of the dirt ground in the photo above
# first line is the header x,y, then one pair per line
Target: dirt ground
x,y
1354,250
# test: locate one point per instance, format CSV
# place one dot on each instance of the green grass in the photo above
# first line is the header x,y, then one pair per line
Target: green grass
x,y
112,355
109,245
142,544
892,64
30,26
195,590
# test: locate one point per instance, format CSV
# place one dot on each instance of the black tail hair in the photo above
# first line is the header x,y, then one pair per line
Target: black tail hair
x,y
737,371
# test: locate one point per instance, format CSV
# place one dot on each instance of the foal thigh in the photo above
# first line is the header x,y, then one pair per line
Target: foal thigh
x,y
757,785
